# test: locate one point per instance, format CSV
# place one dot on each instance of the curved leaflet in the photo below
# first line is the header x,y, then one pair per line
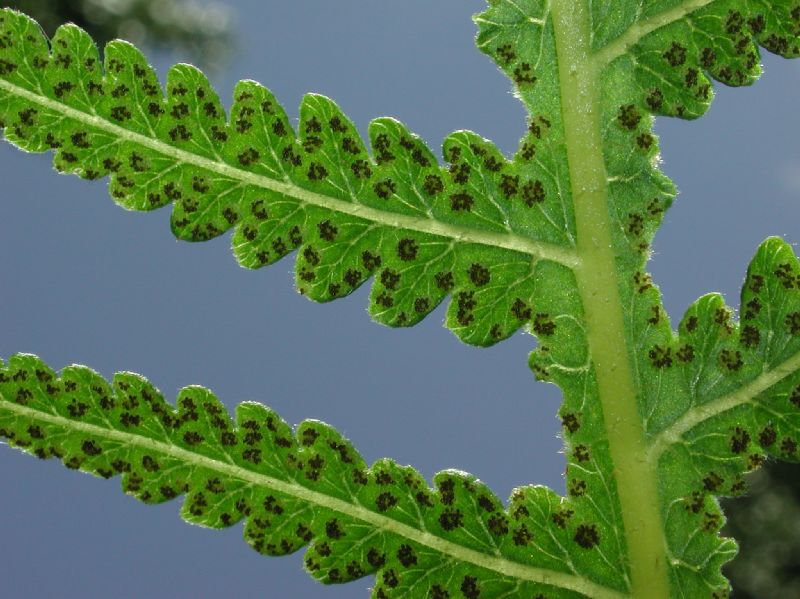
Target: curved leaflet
x,y
293,487
423,231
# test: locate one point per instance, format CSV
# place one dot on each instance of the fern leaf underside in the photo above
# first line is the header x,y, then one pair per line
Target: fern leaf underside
x,y
291,486
505,238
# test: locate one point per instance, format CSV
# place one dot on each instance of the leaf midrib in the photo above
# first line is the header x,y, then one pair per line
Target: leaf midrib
x,y
598,284
384,523
459,233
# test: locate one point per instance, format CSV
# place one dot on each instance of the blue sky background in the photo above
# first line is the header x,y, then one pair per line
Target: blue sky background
x,y
84,281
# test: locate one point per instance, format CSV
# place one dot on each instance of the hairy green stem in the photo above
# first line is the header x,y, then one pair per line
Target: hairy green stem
x,y
599,288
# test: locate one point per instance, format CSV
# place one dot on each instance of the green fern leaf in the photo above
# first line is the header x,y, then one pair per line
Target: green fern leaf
x,y
657,424
734,400
423,231
293,487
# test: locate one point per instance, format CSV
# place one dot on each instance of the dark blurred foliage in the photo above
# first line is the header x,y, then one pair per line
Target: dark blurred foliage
x,y
766,523
200,28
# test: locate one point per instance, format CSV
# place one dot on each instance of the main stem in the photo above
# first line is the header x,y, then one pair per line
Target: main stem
x,y
599,289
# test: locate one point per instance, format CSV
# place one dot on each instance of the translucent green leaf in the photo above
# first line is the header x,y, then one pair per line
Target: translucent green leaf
x,y
421,230
657,423
295,487
734,400
607,330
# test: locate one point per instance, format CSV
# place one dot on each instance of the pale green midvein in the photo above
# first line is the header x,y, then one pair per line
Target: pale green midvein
x,y
598,284
698,414
383,523
638,30
508,241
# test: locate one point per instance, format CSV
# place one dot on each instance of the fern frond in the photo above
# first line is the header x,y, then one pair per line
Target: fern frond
x,y
297,487
657,424
606,69
722,397
473,230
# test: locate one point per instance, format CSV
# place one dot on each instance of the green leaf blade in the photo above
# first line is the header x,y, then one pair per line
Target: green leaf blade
x,y
295,487
320,193
724,399
670,69
643,62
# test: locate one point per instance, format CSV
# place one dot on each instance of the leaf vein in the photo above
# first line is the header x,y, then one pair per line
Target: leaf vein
x,y
620,45
509,241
